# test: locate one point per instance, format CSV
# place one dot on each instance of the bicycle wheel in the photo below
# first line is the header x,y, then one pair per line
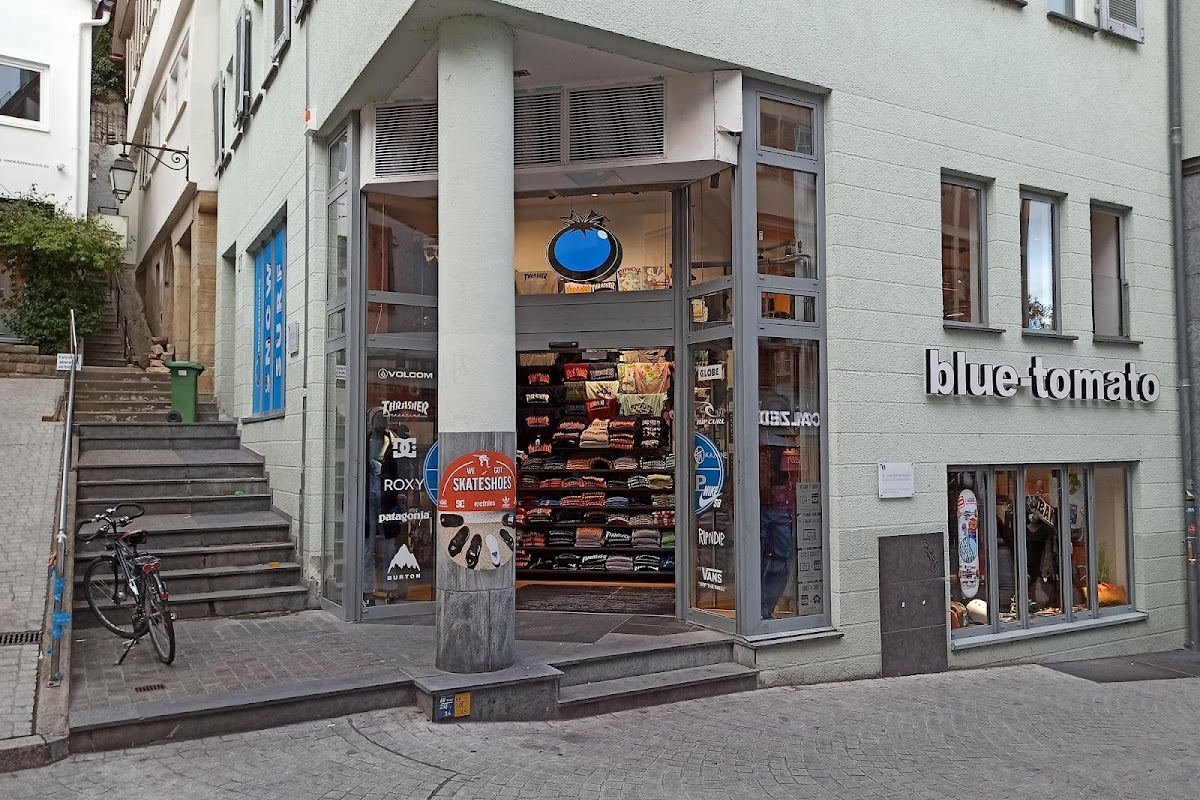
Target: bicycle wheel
x,y
106,590
158,620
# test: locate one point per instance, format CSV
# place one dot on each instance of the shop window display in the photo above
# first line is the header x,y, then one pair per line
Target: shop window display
x,y
712,227
631,232
402,247
398,553
1043,543
1112,537
971,571
596,466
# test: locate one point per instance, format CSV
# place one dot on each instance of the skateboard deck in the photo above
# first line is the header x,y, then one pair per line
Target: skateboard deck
x,y
968,543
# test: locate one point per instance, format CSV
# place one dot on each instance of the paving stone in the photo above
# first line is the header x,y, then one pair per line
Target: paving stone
x,y
1025,732
29,472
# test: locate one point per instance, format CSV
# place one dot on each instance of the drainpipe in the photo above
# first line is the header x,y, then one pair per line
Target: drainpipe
x,y
1183,346
304,332
82,133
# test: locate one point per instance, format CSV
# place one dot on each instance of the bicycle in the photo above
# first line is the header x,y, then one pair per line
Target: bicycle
x,y
125,590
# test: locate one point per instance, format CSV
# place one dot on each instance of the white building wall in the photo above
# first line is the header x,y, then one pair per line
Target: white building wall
x,y
978,86
50,155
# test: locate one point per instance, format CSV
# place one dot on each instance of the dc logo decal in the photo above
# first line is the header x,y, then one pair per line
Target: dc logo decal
x,y
583,249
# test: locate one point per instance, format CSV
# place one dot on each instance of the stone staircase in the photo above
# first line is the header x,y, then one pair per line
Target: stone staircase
x,y
23,361
106,346
208,512
127,394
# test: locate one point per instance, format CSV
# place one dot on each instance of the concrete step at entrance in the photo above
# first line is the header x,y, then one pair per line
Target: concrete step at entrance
x,y
655,688
139,416
138,490
135,402
164,435
207,530
179,505
226,603
222,579
614,666
141,471
203,556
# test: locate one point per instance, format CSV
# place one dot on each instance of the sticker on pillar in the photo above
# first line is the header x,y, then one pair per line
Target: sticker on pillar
x,y
430,469
583,249
476,499
710,474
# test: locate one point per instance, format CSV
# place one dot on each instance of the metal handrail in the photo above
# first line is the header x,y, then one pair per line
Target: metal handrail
x,y
58,562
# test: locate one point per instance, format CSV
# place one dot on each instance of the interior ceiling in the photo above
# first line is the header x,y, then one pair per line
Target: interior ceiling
x,y
549,62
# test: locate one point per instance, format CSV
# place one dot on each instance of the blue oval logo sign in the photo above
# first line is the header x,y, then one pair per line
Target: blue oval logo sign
x,y
583,249
430,470
710,474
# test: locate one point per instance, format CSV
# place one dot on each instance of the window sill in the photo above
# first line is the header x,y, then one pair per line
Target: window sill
x,y
1004,637
1048,335
1122,38
1078,25
951,325
789,637
258,98
267,417
272,71
1125,340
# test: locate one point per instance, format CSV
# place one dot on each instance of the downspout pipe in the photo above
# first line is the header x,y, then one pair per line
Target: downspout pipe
x,y
1182,307
83,111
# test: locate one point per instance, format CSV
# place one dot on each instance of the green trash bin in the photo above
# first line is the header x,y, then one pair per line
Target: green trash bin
x,y
185,376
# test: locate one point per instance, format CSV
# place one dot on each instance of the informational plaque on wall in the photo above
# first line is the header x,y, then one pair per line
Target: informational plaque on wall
x,y
896,480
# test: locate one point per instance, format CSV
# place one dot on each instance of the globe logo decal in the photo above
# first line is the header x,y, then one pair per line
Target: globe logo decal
x,y
583,249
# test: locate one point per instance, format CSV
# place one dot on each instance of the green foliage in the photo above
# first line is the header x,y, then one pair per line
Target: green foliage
x,y
108,77
62,263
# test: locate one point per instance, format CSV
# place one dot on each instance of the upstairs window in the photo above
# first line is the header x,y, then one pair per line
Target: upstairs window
x,y
1123,17
1039,262
282,25
962,252
20,92
1109,287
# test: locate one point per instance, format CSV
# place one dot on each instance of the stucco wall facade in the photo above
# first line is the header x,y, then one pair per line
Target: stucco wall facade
x,y
982,87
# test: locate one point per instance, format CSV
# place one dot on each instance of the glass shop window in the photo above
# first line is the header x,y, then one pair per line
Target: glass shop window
x,y
711,219
962,253
786,222
593,243
402,244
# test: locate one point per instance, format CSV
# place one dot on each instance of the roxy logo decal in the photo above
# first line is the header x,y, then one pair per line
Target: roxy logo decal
x,y
960,377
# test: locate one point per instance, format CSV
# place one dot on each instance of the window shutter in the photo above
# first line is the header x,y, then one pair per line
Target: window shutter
x,y
218,109
283,26
241,100
1123,17
299,7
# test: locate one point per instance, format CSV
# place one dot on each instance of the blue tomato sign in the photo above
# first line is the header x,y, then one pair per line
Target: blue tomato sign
x,y
429,471
710,474
583,249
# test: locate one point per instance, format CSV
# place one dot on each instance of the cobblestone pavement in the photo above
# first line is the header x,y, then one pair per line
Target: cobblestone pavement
x,y
29,469
1018,732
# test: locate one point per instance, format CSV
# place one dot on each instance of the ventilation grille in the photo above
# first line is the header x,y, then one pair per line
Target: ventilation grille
x,y
617,122
20,637
1123,11
406,139
150,687
537,135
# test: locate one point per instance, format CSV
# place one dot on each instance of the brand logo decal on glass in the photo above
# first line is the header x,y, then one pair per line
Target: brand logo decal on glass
x,y
583,249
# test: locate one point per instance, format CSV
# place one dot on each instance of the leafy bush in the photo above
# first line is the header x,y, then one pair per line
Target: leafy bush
x,y
108,77
62,263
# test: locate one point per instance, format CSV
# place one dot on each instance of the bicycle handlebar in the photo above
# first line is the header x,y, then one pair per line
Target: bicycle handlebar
x,y
114,523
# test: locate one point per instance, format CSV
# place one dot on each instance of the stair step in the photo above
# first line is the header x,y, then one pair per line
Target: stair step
x,y
202,530
228,504
170,487
139,416
247,470
225,603
88,402
591,669
203,556
637,691
221,579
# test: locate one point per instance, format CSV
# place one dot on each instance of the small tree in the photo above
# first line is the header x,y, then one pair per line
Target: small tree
x,y
61,262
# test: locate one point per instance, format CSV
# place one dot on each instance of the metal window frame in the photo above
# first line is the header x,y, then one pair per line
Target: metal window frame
x,y
1055,201
42,122
1094,611
281,23
1122,214
981,186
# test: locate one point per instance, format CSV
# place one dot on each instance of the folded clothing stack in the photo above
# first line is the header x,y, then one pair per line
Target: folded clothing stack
x,y
646,563
547,483
645,538
618,520
596,435
529,482
617,483
566,561
539,448
595,517
639,482
542,359
642,520
618,538
622,441
564,440
575,372
534,464
664,517
667,540
663,500
667,564
617,501
569,517
599,462
652,432
660,481
539,515
532,538
542,563
589,537
547,500
574,464
593,563
522,560
656,463
561,537
620,563
585,499
623,425
625,463
554,463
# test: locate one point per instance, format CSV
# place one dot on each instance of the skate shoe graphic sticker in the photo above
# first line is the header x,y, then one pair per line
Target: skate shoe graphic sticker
x,y
476,498
583,249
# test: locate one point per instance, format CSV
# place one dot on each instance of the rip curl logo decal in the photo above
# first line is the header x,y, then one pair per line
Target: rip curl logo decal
x,y
583,249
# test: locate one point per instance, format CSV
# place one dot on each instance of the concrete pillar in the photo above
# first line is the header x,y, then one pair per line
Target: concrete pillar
x,y
202,344
476,615
179,328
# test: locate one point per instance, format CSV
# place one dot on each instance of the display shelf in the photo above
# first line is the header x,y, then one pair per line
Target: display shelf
x,y
586,471
596,550
580,489
614,509
637,451
595,574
